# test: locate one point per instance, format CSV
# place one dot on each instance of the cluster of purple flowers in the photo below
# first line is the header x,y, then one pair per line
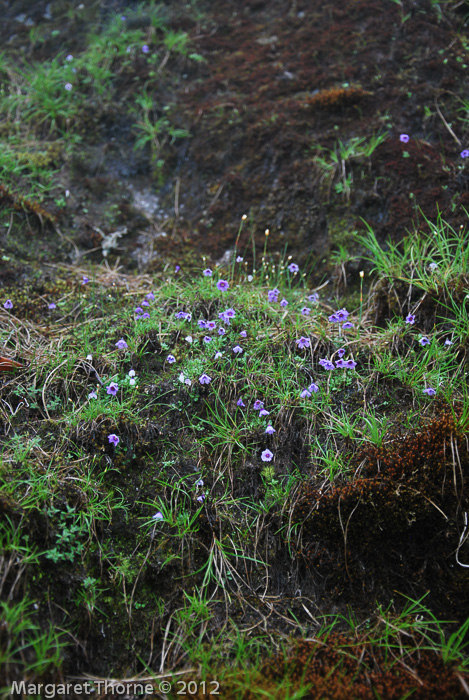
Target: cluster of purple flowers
x,y
339,364
272,295
312,389
183,315
341,316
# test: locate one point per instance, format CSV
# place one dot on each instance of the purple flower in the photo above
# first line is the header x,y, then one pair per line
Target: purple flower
x,y
305,394
223,285
145,48
179,314
429,391
237,349
205,379
284,303
158,516
211,325
52,306
145,315
208,272
139,310
267,455
404,138
258,405
112,388
305,310
121,344
341,364
207,339
243,334
313,298
272,295
263,412
202,323
327,364
92,395
201,498
448,342
342,315
303,343
84,280
69,57
341,352
270,430
218,355
350,364
293,267
8,304
170,359
68,86
240,403
113,439
313,387
465,153
410,319
221,331
424,341
145,303
177,268
229,313
150,296
239,259
347,325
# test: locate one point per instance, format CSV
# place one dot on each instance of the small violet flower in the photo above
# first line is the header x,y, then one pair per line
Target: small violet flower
x,y
208,272
293,268
158,516
211,325
240,403
237,349
258,405
327,364
424,341
303,343
145,48
341,352
52,306
113,439
410,319
92,395
305,310
112,389
284,303
239,259
429,391
465,153
313,387
207,339
347,325
205,379
68,86
243,334
267,455
85,280
202,323
218,355
170,359
263,412
8,304
121,344
305,394
313,298
404,138
223,285
270,430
